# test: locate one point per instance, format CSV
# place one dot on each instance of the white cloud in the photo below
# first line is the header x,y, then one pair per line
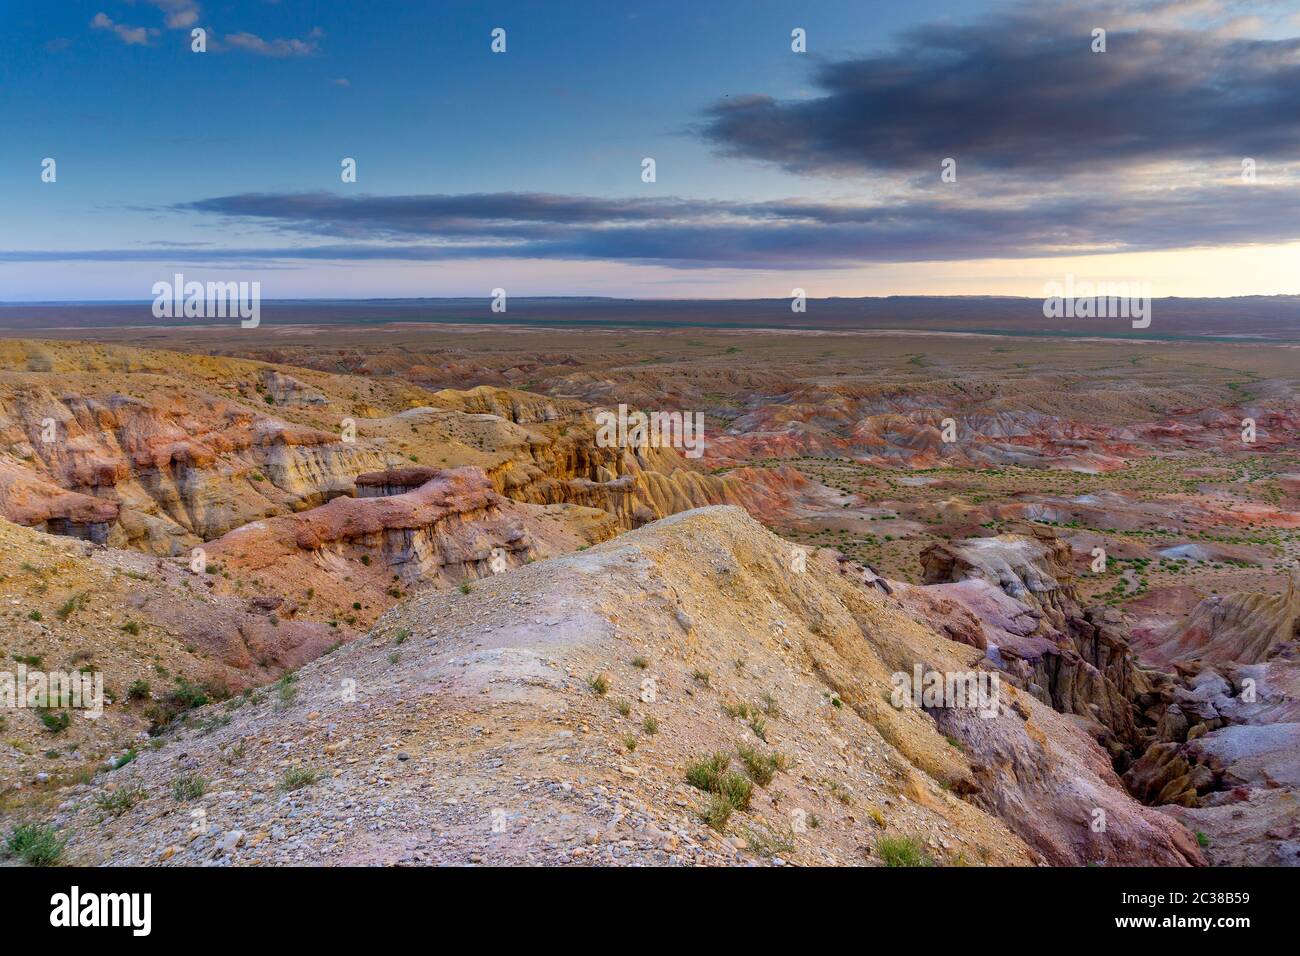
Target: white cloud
x,y
138,36
252,43
179,13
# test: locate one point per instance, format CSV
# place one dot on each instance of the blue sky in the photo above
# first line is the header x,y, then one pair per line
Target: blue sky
x,y
170,160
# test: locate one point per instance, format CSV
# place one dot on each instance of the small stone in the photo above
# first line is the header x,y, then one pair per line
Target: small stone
x,y
231,840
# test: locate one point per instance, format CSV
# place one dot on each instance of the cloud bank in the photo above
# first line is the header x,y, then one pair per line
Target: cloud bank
x,y
1060,151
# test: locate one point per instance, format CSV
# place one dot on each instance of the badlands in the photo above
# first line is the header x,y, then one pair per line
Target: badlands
x,y
380,594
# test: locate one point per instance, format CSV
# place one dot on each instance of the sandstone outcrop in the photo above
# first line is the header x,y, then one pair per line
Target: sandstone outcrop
x,y
182,449
1245,627
450,529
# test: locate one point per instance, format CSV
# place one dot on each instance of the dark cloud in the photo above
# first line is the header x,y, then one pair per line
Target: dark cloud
x,y
686,233
1061,151
1021,91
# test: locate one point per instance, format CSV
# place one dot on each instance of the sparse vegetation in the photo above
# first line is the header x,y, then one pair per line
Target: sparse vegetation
x,y
705,774
768,842
189,787
761,767
902,851
35,845
285,688
295,778
717,812
116,802
72,605
736,788
55,721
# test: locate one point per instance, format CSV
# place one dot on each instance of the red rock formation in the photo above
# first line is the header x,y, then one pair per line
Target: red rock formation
x,y
448,530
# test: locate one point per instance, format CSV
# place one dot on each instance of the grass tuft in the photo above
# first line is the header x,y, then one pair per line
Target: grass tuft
x,y
189,787
737,789
761,767
902,851
120,800
717,812
296,778
34,845
705,774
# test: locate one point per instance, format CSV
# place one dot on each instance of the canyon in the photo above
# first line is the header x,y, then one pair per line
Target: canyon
x,y
414,572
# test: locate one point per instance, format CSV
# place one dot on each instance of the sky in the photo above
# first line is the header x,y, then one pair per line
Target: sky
x,y
1170,157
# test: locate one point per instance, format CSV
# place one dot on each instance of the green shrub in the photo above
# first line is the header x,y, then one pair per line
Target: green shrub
x,y
737,789
35,845
120,800
72,605
296,778
189,787
717,812
761,767
902,851
55,721
705,774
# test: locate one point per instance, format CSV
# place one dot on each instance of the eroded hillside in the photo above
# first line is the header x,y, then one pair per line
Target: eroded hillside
x,y
553,714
